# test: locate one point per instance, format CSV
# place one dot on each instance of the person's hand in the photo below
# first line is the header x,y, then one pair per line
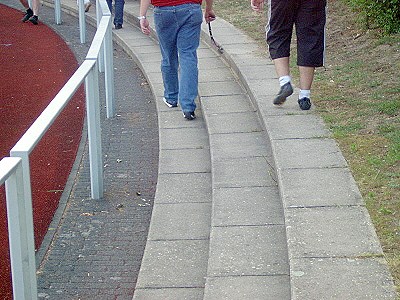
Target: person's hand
x,y
257,5
145,26
209,15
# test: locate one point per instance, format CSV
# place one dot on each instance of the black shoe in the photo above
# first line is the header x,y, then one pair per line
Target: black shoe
x,y
28,14
304,103
34,20
170,105
189,115
285,91
118,26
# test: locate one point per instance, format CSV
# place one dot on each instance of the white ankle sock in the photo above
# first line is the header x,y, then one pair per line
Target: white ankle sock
x,y
284,79
304,94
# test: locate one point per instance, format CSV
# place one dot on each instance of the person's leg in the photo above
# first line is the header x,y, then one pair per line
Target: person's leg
x,y
119,13
29,11
24,3
34,19
306,77
279,34
283,71
166,28
280,27
190,17
35,7
109,4
282,66
87,5
310,31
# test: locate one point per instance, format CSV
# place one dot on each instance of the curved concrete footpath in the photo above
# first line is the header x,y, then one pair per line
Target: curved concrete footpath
x,y
287,219
252,201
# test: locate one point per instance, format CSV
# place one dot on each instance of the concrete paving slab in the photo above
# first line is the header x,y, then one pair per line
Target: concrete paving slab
x,y
137,40
183,188
296,126
330,232
238,61
234,47
319,187
247,206
248,250
226,104
230,123
243,172
178,138
138,48
157,88
179,264
171,118
185,161
153,67
307,153
152,57
227,36
260,87
247,287
169,294
205,52
221,74
262,71
241,144
220,88
208,63
156,80
341,278
179,221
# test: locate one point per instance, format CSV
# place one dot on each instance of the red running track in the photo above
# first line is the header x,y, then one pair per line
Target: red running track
x,y
35,63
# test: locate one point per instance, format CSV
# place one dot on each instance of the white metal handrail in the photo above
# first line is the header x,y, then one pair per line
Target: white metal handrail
x,y
15,170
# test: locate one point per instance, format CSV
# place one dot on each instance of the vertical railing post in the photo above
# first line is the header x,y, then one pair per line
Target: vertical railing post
x,y
99,15
57,11
109,71
27,239
94,133
82,21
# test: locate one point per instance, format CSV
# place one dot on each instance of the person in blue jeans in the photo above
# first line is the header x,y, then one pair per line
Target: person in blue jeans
x,y
119,12
178,25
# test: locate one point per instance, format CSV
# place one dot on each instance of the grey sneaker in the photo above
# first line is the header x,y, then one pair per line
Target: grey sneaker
x,y
285,91
169,104
189,115
304,103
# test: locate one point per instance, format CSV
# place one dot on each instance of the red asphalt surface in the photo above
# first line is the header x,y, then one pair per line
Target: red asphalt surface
x,y
35,63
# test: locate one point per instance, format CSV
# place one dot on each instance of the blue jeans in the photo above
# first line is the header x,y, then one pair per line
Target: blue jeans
x,y
178,30
119,11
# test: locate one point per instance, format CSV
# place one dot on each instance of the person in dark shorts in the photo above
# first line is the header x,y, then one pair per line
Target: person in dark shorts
x,y
309,19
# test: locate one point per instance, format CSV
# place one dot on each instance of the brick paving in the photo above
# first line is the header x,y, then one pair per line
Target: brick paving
x,y
98,244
